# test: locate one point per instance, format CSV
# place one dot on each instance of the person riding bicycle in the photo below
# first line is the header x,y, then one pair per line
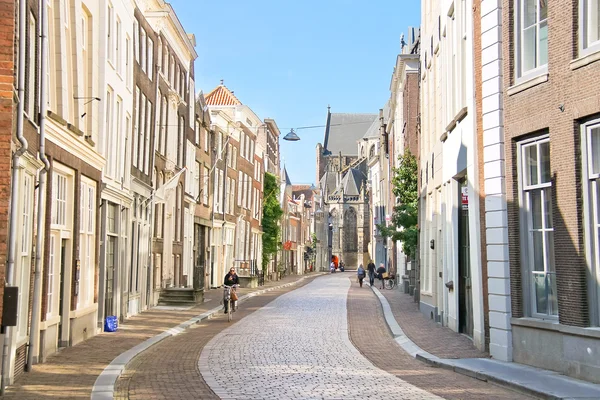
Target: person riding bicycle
x,y
230,280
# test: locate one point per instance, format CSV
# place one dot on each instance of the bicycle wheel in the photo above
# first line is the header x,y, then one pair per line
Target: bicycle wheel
x,y
230,311
389,284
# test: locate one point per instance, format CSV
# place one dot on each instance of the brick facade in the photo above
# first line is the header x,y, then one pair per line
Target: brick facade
x,y
555,106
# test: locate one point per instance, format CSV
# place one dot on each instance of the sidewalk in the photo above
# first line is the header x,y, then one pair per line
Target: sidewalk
x,y
72,372
441,347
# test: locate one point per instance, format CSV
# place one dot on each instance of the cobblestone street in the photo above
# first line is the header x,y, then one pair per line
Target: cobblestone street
x,y
324,340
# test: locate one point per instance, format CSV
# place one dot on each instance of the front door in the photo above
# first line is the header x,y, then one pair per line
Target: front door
x,y
464,265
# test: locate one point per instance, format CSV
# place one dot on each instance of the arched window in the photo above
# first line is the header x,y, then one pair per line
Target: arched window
x,y
350,231
335,223
372,151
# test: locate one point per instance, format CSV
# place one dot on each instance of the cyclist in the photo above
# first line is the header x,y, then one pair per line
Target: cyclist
x,y
231,279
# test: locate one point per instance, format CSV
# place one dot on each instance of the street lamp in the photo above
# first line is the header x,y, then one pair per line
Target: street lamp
x,y
291,136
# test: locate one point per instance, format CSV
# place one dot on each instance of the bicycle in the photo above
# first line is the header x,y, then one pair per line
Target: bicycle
x,y
230,305
390,283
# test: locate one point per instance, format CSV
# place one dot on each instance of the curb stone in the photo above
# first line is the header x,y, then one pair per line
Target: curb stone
x,y
527,380
105,383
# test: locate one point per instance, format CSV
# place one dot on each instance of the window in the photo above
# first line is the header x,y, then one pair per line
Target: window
x,y
180,137
216,193
150,58
232,196
590,22
178,212
136,126
108,153
31,67
206,133
59,193
87,242
128,70
234,158
227,196
239,196
110,49
205,185
197,133
143,44
142,132
538,245
51,268
196,186
149,132
591,172
229,155
532,35
160,210
118,48
136,41
160,55
117,149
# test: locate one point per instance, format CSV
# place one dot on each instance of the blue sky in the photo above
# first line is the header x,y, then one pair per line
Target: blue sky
x,y
288,60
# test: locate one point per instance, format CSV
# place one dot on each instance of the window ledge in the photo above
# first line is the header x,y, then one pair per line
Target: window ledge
x,y
585,60
529,83
83,311
554,325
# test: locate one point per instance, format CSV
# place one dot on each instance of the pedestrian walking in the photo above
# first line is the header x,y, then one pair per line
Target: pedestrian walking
x,y
380,272
371,270
361,274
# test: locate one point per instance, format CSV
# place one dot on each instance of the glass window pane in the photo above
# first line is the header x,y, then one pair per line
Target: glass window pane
x,y
541,300
529,12
543,45
552,294
548,207
595,149
529,49
550,265
535,197
545,162
531,167
538,251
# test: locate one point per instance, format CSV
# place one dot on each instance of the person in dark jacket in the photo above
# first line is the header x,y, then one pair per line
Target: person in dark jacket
x,y
380,272
231,279
371,270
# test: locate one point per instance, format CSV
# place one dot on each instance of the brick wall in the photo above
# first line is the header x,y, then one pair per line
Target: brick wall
x,y
536,110
7,82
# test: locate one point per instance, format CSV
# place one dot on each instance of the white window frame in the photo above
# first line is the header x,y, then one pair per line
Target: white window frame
x,y
87,240
527,230
585,20
591,214
110,46
32,76
539,68
205,185
118,49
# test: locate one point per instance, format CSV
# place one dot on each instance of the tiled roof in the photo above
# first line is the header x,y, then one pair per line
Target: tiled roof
x,y
221,96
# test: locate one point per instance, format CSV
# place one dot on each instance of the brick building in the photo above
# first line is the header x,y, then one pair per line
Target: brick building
x,y
541,119
402,128
238,182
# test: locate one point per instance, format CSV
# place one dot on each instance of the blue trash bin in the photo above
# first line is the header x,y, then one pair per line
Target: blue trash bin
x,y
111,324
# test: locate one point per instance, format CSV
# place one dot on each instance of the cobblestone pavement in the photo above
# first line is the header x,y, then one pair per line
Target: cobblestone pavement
x,y
370,334
71,373
169,369
439,341
298,347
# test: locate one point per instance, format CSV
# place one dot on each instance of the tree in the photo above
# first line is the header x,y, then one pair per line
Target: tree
x,y
405,217
272,213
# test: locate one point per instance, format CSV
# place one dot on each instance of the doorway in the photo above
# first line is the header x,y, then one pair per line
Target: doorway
x,y
465,293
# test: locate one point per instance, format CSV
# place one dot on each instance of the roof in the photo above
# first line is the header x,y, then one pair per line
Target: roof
x,y
373,131
352,182
299,190
344,130
221,96
286,177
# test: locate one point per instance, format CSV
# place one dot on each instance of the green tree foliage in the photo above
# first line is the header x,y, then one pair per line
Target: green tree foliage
x,y
272,213
404,223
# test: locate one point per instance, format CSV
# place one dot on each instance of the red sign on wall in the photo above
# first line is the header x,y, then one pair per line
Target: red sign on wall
x,y
465,198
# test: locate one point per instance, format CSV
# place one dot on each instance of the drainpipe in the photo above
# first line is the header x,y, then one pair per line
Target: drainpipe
x,y
12,233
34,333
